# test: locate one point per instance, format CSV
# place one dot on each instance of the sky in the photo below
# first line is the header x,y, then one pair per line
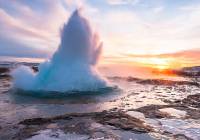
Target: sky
x,y
153,33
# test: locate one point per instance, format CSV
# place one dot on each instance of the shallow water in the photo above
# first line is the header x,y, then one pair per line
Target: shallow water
x,y
16,105
57,135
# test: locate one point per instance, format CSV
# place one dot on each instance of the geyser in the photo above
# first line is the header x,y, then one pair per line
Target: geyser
x,y
72,67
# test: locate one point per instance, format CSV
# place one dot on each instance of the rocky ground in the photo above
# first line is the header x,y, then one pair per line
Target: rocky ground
x,y
108,124
151,109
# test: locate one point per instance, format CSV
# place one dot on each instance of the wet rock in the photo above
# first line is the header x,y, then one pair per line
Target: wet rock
x,y
167,82
81,123
130,79
98,135
123,121
35,68
181,137
192,100
4,70
156,81
174,112
154,111
36,121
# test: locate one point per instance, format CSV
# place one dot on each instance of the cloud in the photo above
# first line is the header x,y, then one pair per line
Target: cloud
x,y
150,27
158,9
17,49
34,24
129,31
176,59
193,53
123,2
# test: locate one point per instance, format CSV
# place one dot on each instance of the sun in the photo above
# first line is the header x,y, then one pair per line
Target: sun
x,y
159,63
162,67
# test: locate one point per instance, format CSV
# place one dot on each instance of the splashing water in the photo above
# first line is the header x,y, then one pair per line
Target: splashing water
x,y
72,66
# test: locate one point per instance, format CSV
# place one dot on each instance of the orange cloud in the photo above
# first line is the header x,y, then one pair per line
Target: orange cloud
x,y
168,60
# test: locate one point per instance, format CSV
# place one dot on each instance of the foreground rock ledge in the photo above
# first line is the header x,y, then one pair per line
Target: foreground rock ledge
x,y
80,123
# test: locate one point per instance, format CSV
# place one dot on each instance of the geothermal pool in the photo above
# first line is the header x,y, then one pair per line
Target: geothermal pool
x,y
171,110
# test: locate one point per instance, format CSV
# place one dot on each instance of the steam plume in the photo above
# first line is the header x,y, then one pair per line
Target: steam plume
x,y
72,67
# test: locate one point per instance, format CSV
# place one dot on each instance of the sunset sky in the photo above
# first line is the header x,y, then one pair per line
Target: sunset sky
x,y
154,33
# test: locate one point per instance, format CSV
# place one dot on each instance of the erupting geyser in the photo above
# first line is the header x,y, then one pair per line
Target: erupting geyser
x,y
72,67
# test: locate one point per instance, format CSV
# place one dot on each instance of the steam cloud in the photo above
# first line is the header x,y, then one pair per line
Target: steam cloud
x,y
72,67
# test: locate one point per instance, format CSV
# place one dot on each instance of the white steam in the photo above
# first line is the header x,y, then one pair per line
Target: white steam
x,y
72,66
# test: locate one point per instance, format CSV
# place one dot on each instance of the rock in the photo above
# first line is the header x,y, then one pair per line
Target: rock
x,y
192,100
36,121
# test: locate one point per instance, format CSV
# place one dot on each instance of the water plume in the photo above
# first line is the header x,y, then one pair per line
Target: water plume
x,y
72,67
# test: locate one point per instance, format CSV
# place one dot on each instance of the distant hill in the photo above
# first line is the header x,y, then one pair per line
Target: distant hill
x,y
190,71
194,69
185,71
